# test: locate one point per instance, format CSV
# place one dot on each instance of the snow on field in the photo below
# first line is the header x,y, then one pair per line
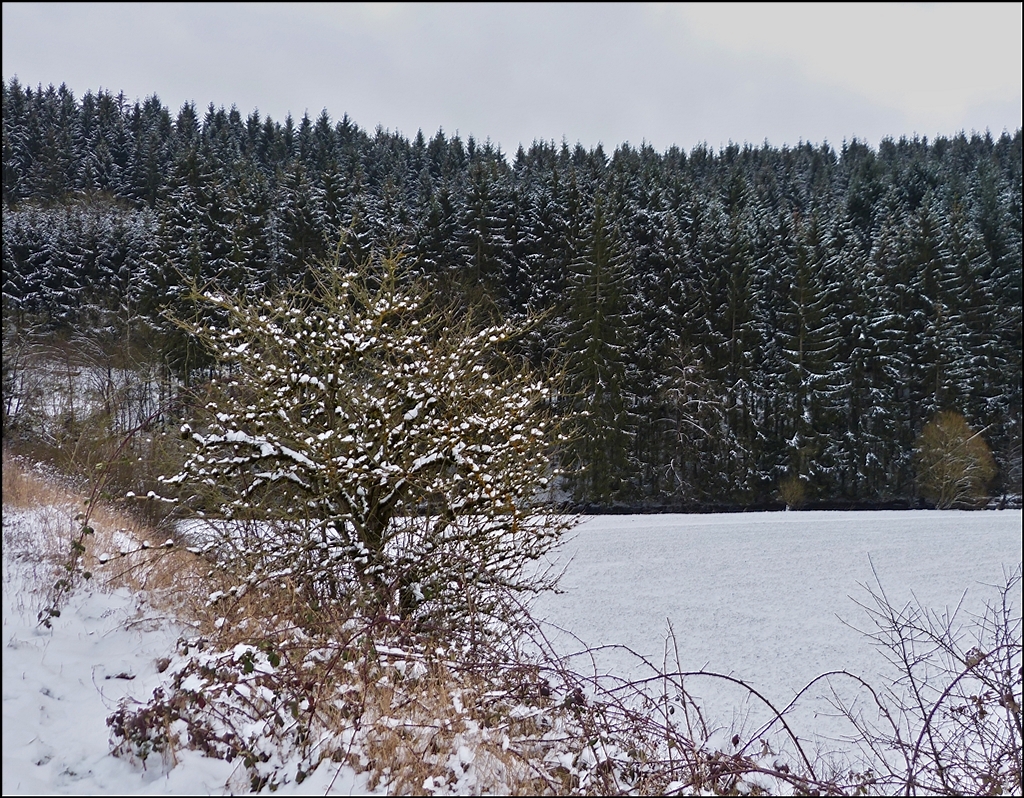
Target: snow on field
x,y
753,595
60,685
760,596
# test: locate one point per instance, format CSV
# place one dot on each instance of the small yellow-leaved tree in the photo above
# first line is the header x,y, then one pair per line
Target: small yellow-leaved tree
x,y
954,464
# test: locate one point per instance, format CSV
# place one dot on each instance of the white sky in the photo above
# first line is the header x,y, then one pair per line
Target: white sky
x,y
662,73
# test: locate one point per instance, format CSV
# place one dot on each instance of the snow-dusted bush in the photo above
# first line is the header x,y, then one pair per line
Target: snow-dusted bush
x,y
372,449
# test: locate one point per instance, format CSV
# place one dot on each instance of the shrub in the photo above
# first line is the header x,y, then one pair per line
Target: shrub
x,y
951,722
374,450
954,464
793,491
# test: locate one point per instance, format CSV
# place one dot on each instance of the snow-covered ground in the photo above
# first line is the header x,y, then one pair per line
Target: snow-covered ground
x,y
758,596
61,684
764,596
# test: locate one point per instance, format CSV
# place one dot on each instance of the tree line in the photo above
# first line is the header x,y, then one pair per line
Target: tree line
x,y
730,324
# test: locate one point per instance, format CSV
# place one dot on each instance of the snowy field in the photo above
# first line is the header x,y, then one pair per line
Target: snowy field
x,y
764,596
758,596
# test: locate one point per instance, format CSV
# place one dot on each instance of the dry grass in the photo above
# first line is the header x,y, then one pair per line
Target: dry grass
x,y
430,729
412,717
35,535
24,487
122,551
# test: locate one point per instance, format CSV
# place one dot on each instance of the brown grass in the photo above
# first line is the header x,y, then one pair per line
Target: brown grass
x,y
417,725
25,488
123,551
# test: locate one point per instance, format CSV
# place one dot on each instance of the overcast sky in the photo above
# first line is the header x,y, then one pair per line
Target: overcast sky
x,y
662,73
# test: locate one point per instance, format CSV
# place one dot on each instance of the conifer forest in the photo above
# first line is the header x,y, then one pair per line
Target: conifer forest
x,y
737,328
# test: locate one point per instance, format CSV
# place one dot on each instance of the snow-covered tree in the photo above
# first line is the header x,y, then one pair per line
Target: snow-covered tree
x,y
597,346
390,456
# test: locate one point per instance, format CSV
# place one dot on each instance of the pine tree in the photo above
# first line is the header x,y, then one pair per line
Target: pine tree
x,y
597,347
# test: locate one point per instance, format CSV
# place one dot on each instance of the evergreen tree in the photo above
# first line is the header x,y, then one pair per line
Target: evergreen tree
x,y
597,348
765,313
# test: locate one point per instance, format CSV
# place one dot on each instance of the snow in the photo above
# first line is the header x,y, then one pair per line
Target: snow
x,y
759,596
763,596
60,685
